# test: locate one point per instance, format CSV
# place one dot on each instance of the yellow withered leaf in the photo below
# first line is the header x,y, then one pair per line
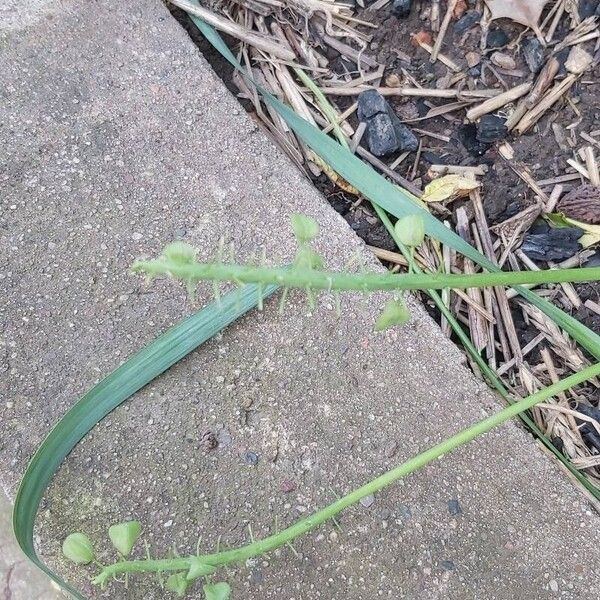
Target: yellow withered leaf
x,y
449,187
591,233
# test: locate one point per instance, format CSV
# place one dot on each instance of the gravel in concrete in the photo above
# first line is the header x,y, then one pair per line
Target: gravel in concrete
x,y
117,138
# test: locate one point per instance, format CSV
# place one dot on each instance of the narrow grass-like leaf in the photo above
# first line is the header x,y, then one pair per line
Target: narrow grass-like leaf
x,y
131,376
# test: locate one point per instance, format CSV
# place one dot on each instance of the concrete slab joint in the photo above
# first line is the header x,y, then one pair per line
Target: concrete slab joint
x,y
116,139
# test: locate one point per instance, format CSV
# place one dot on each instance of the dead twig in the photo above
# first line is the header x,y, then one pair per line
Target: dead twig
x,y
443,28
237,31
497,101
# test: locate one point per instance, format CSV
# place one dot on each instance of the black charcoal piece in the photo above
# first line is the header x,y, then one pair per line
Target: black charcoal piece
x,y
587,8
555,244
401,8
561,56
381,135
491,128
370,102
497,38
407,140
468,20
385,133
467,135
533,53
587,429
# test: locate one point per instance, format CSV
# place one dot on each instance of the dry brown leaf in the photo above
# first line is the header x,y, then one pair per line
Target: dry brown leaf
x,y
421,37
526,12
459,9
582,204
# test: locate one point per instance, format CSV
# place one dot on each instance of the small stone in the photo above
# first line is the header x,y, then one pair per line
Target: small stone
x,y
136,236
472,58
447,565
401,8
288,486
454,507
370,103
497,38
504,61
491,128
533,53
224,437
468,20
367,501
251,458
553,585
390,449
578,60
393,80
475,71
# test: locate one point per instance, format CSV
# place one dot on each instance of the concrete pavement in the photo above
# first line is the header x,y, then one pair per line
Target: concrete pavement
x,y
118,138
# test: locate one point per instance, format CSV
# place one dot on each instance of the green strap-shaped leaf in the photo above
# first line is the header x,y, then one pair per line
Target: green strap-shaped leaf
x,y
390,197
130,377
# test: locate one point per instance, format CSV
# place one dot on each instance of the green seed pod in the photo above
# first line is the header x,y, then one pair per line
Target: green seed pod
x,y
177,583
124,536
395,313
180,253
410,230
78,548
305,228
217,591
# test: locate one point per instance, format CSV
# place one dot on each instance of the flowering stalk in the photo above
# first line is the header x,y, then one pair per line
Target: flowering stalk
x,y
309,278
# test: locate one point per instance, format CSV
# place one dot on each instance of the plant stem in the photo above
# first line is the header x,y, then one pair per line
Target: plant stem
x,y
305,525
297,277
325,106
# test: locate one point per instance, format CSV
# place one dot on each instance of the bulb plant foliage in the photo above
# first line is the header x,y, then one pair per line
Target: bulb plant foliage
x,y
307,272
